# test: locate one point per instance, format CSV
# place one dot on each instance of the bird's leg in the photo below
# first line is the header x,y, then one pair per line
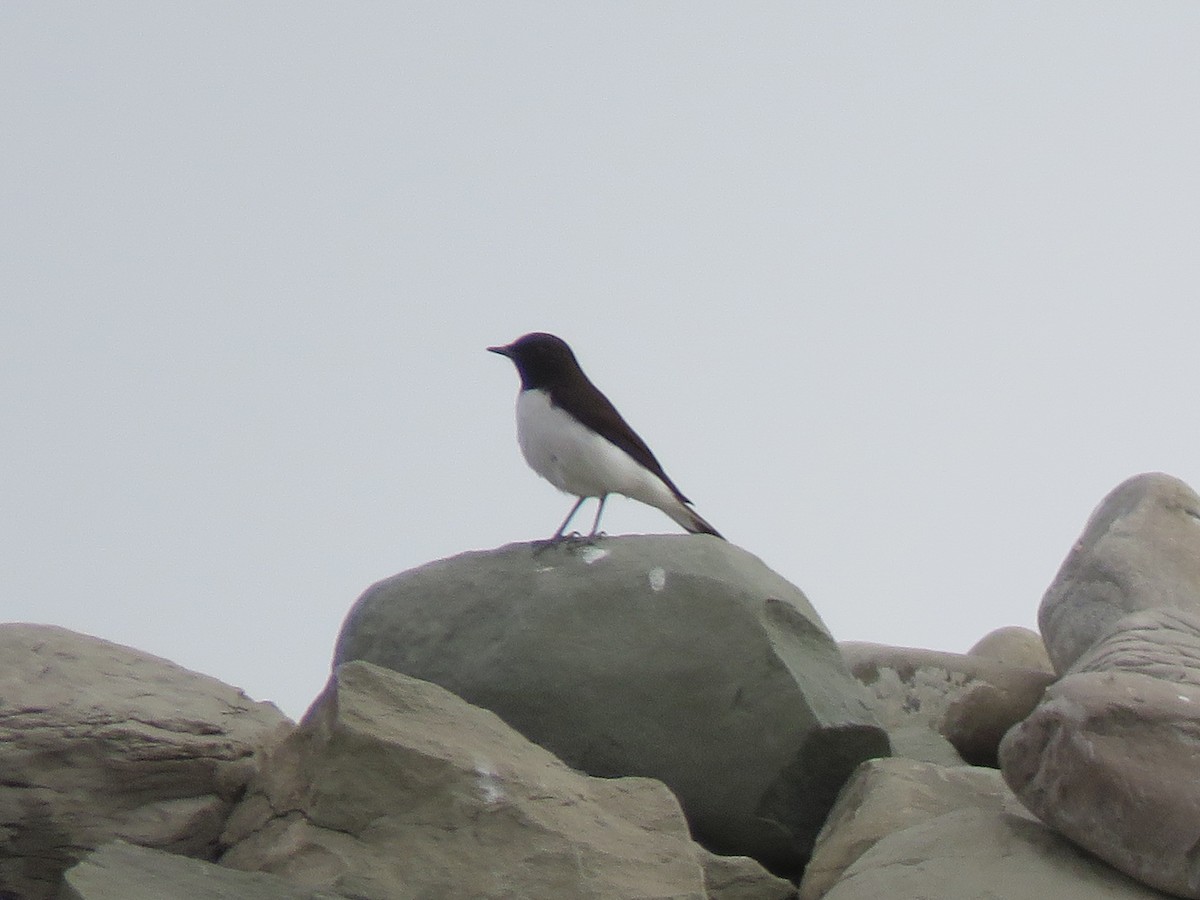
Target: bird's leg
x,y
563,527
596,524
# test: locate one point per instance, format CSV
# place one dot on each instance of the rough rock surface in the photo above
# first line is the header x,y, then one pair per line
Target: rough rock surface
x,y
120,871
1140,550
100,742
393,787
679,657
741,878
890,795
1110,761
979,854
971,701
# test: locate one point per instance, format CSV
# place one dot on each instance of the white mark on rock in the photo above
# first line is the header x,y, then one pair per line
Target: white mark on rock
x,y
658,578
487,780
592,554
1183,698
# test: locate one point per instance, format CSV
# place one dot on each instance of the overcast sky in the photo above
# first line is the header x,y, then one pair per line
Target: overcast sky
x,y
896,292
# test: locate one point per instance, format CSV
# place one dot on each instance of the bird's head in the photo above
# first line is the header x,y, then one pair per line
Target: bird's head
x,y
541,359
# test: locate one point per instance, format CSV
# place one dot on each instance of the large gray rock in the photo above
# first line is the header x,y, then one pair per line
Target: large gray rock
x,y
1140,550
393,787
1110,761
890,795
682,658
120,871
100,742
969,700
980,854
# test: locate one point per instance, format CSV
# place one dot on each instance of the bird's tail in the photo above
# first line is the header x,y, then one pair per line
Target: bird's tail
x,y
690,520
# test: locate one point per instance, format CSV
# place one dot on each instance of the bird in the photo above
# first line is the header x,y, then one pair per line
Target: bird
x,y
572,435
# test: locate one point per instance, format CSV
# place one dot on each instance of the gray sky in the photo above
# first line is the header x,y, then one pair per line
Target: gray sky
x,y
896,292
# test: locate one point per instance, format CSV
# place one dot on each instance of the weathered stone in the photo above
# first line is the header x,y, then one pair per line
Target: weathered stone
x,y
741,878
971,701
1109,760
890,795
393,787
100,742
980,854
1140,550
682,658
1161,643
120,871
1015,647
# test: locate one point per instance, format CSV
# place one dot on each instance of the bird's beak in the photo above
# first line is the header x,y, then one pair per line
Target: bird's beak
x,y
503,351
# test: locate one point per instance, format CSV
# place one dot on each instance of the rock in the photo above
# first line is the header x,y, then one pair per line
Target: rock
x,y
1161,643
1140,550
971,701
681,658
120,871
1014,647
393,787
100,742
890,795
980,854
741,878
1109,760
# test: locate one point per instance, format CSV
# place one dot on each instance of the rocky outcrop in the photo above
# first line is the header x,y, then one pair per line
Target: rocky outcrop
x,y
100,742
121,871
384,762
1110,761
683,654
681,658
1140,550
904,829
968,701
1109,758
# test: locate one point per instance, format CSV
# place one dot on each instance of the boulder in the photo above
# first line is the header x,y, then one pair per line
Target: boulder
x,y
1140,550
890,795
393,787
1161,643
1015,647
970,701
120,871
741,878
1109,760
980,854
681,658
100,742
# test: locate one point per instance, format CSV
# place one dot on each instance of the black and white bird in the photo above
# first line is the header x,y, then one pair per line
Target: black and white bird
x,y
572,436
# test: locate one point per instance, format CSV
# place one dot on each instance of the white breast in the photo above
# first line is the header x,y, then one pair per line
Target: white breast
x,y
578,461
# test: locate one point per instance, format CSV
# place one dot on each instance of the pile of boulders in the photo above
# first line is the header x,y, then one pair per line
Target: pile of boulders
x,y
636,717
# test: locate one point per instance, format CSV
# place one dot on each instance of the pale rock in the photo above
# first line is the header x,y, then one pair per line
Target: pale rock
x,y
1140,550
1015,647
970,701
982,854
120,871
101,742
1161,643
393,787
890,795
680,657
741,878
1110,760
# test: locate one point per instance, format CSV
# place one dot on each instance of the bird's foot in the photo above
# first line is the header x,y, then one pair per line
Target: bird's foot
x,y
573,537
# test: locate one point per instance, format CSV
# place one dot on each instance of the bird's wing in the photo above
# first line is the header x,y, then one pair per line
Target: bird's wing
x,y
601,416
